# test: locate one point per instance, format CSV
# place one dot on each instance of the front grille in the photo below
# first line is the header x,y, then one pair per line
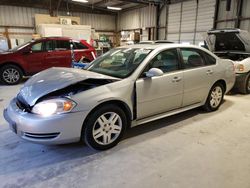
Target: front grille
x,y
40,136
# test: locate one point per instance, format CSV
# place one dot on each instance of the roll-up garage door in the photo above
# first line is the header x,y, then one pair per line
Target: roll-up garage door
x,y
189,21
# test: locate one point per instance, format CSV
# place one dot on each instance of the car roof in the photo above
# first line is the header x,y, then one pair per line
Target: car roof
x,y
58,38
160,45
154,41
55,38
227,30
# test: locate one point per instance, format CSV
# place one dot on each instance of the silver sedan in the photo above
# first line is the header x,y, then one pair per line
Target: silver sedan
x,y
125,87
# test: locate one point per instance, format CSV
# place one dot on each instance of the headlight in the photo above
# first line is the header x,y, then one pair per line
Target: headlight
x,y
240,67
53,106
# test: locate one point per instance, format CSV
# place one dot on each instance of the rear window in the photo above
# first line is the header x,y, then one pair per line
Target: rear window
x,y
62,45
192,58
228,41
210,60
49,45
79,45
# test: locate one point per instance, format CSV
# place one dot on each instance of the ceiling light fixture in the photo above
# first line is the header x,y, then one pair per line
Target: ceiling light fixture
x,y
81,1
114,8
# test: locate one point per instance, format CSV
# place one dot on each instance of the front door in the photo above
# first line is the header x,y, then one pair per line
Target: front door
x,y
35,59
157,95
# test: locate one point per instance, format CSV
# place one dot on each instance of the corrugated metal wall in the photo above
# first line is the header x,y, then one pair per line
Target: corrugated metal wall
x,y
174,22
24,16
245,24
137,18
205,19
187,21
225,15
227,19
19,16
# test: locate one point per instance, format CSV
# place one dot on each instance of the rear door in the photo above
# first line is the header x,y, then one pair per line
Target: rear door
x,y
198,76
164,93
58,53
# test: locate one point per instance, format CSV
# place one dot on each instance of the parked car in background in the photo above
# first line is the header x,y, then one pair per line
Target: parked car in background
x,y
125,87
233,44
37,55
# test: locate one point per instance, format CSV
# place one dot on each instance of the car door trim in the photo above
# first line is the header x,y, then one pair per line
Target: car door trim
x,y
163,115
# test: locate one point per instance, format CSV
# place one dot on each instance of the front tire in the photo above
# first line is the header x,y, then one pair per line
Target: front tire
x,y
11,74
215,97
105,127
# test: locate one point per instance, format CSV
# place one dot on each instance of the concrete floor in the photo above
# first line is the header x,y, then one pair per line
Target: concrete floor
x,y
192,149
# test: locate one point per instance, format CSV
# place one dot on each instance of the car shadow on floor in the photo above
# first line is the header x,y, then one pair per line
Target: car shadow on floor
x,y
21,82
20,155
172,122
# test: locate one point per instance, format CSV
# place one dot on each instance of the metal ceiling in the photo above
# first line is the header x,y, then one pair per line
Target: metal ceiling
x,y
93,6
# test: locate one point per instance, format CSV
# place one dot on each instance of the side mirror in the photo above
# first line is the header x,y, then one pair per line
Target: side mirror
x,y
154,72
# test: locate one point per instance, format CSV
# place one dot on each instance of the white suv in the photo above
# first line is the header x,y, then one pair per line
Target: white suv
x,y
233,44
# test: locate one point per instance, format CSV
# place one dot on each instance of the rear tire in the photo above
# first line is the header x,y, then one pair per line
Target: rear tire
x,y
105,127
11,74
215,97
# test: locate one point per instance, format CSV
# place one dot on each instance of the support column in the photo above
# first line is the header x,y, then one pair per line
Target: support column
x,y
239,13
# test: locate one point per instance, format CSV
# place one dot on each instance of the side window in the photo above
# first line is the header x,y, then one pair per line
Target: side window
x,y
79,45
62,45
192,58
37,47
49,45
210,60
166,60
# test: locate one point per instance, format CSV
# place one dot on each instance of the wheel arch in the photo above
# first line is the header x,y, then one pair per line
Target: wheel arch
x,y
13,63
223,83
118,103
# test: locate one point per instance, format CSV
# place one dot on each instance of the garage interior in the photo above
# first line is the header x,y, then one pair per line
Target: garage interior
x,y
190,149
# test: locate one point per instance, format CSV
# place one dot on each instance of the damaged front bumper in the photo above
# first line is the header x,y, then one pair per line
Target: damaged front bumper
x,y
55,129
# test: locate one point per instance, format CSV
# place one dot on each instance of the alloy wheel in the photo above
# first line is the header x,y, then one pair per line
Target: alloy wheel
x,y
11,75
216,97
107,128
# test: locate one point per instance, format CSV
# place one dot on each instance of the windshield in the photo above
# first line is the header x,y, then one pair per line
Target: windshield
x,y
120,62
20,46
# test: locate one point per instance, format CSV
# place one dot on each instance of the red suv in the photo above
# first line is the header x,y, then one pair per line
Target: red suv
x,y
41,54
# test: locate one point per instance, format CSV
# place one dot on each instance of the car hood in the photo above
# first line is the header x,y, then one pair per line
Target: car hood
x,y
54,79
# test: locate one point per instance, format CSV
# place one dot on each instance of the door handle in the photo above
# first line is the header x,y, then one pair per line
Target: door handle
x,y
210,72
176,79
